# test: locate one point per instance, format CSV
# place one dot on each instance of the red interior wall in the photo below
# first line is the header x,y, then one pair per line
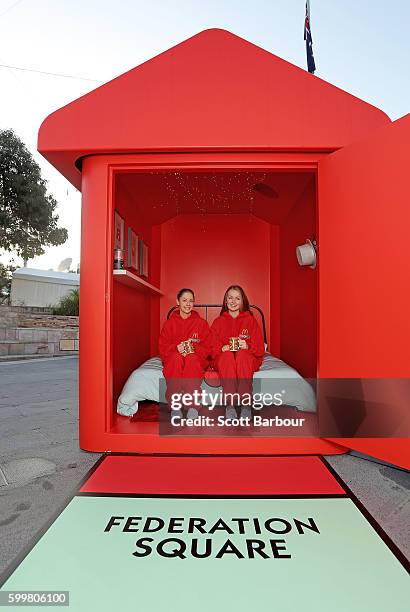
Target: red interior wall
x,y
133,311
131,317
274,293
298,296
155,279
211,252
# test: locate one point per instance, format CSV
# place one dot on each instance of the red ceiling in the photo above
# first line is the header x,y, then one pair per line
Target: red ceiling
x,y
165,195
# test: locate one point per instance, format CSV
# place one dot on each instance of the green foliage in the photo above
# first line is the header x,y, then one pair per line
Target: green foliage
x,y
6,274
27,213
69,305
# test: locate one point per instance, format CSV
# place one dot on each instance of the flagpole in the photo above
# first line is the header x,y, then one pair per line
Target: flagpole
x,y
308,38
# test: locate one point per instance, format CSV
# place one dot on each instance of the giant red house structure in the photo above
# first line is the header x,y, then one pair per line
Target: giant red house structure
x,y
176,146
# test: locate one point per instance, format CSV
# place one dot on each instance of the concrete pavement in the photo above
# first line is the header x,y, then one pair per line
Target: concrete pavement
x,y
38,421
41,464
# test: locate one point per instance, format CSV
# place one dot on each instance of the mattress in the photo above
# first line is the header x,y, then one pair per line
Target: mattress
x,y
274,378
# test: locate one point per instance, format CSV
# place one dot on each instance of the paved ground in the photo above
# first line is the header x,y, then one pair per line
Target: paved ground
x,y
38,419
38,423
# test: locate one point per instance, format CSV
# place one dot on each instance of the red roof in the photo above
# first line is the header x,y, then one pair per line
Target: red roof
x,y
212,91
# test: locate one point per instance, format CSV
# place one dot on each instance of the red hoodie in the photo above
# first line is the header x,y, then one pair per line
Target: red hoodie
x,y
243,326
176,330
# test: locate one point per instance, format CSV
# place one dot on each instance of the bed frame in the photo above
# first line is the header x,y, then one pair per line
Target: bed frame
x,y
206,306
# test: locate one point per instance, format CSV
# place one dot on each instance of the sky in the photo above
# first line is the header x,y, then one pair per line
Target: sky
x,y
361,46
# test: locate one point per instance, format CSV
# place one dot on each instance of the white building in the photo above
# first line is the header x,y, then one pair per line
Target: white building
x,y
31,287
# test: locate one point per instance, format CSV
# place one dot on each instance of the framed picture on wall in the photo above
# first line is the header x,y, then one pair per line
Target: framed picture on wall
x,y
132,250
118,231
143,258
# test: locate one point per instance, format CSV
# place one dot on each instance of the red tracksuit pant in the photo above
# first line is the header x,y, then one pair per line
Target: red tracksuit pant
x,y
183,374
236,371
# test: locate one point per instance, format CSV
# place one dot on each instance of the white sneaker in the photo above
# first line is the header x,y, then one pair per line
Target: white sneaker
x,y
192,413
246,412
230,413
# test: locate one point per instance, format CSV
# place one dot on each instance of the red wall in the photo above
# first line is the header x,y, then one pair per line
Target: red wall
x,y
298,298
211,252
274,341
134,312
131,343
364,220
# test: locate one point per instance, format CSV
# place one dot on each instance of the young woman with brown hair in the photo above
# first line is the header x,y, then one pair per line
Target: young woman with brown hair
x,y
237,347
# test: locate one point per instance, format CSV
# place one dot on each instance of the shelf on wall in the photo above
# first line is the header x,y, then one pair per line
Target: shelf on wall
x,y
136,282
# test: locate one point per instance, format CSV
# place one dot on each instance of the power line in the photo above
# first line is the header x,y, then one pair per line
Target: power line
x,y
55,74
10,7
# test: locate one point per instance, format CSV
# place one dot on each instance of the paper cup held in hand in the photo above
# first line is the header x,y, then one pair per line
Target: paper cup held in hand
x,y
234,344
188,346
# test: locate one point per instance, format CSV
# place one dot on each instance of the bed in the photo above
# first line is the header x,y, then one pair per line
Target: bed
x,y
274,376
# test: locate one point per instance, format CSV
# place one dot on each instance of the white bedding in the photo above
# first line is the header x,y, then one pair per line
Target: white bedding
x,y
274,376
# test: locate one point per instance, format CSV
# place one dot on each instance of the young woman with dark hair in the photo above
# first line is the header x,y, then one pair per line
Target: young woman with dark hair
x,y
237,347
184,347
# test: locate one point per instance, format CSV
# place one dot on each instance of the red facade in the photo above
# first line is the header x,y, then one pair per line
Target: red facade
x,y
175,146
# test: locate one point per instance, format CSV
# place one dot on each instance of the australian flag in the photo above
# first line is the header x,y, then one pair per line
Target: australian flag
x,y
308,37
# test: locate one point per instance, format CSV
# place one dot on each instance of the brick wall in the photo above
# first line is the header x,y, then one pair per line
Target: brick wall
x,y
25,331
17,316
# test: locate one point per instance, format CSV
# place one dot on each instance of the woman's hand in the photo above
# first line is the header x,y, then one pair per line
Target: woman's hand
x,y
225,348
181,349
242,344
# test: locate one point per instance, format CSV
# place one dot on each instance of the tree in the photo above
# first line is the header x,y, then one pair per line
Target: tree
x,y
6,273
27,212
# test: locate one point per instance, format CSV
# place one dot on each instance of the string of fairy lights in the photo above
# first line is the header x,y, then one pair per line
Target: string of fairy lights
x,y
218,192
